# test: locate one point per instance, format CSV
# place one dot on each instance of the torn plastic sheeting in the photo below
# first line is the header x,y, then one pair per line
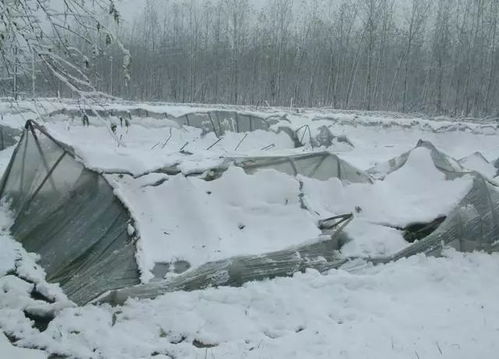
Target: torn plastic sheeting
x,y
321,166
450,167
321,255
322,137
70,217
477,154
218,121
472,225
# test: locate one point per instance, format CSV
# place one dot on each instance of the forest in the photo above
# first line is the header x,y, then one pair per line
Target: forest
x,y
437,57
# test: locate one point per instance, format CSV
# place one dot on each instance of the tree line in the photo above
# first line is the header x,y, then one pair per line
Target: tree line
x,y
432,56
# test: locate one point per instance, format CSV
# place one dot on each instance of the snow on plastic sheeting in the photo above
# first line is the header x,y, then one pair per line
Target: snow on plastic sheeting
x,y
320,165
473,225
151,148
20,276
417,192
477,162
372,240
375,145
399,132
443,162
199,221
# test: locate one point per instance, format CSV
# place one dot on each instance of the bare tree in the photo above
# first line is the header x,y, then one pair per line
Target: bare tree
x,y
416,55
34,29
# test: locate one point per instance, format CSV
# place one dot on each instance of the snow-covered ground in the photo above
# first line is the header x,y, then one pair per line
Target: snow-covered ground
x,y
414,308
418,307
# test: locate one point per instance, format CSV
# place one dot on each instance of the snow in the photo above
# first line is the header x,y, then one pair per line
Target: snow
x,y
199,221
7,351
15,292
189,219
420,307
477,162
417,192
372,240
374,146
149,148
435,307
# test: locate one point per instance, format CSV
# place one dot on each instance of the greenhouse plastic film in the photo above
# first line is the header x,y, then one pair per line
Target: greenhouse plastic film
x,y
70,217
444,163
472,225
8,137
321,255
321,166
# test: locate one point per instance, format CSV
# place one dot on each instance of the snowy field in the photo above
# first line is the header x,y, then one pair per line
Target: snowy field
x,y
418,307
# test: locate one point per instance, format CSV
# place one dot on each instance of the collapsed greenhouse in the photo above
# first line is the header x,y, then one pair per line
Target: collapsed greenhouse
x,y
217,121
473,224
97,242
69,216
